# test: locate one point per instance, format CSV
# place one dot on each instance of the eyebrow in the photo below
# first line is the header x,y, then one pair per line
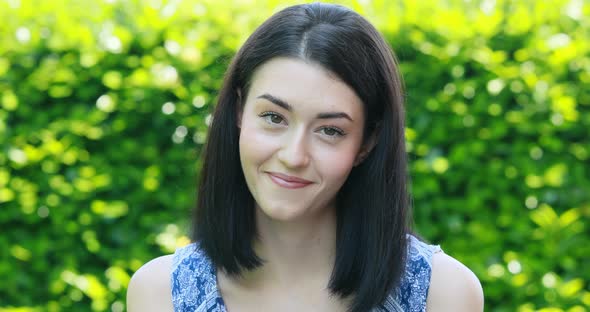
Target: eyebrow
x,y
287,106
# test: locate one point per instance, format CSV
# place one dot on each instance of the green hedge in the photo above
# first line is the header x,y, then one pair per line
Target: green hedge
x,y
104,109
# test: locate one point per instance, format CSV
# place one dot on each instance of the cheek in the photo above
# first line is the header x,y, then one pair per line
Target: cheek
x,y
255,147
337,164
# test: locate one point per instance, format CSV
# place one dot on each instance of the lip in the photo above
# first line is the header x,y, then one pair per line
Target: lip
x,y
287,181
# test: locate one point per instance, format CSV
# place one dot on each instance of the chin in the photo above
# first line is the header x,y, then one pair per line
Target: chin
x,y
281,212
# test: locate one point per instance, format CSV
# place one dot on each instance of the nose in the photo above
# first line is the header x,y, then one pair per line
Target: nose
x,y
294,151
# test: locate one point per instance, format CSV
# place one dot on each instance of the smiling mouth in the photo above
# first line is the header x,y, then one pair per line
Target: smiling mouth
x,y
288,182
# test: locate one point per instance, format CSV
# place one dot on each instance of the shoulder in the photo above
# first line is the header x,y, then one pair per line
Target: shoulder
x,y
149,288
453,287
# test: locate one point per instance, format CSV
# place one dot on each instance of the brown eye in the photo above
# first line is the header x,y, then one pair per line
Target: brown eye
x,y
332,132
272,118
275,119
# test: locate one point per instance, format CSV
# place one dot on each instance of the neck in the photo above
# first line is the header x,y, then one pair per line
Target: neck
x,y
294,252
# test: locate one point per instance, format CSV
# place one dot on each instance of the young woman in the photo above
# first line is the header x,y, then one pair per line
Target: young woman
x,y
303,202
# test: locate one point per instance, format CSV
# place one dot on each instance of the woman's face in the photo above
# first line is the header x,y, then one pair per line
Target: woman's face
x,y
301,133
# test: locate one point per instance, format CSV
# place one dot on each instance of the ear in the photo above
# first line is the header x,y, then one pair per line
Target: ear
x,y
239,109
367,147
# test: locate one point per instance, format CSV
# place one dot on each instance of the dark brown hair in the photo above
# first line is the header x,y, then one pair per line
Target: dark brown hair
x,y
372,205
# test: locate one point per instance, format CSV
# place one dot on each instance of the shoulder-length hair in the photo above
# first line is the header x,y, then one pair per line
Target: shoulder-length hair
x,y
372,205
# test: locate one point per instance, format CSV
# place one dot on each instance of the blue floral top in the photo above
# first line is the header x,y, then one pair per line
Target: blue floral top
x,y
194,281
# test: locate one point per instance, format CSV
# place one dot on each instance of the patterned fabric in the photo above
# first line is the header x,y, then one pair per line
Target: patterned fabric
x,y
194,281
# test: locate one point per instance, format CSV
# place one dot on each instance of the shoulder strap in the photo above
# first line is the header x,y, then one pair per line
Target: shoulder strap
x,y
194,286
412,291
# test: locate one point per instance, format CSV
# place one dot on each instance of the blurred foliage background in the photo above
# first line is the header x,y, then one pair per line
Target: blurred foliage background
x,y
104,107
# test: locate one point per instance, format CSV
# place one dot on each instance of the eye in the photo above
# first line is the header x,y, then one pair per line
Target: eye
x,y
272,117
333,132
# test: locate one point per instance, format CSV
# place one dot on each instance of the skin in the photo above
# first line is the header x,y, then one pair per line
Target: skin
x,y
284,129
296,142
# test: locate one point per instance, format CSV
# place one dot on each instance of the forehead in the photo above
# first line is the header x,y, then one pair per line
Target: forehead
x,y
304,85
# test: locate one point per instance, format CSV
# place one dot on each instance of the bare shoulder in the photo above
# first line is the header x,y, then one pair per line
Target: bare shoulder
x,y
453,287
149,288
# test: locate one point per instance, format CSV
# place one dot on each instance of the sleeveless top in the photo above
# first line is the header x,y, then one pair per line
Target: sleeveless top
x,y
194,281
